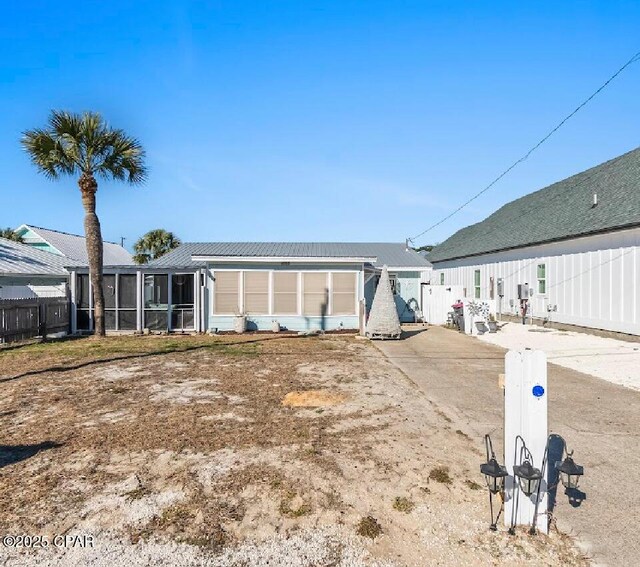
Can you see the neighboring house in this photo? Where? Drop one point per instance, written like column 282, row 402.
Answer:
column 26, row 272
column 575, row 243
column 204, row 286
column 71, row 246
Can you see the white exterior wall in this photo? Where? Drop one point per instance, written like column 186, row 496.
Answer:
column 594, row 281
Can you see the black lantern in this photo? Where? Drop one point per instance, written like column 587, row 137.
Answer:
column 570, row 473
column 494, row 473
column 528, row 476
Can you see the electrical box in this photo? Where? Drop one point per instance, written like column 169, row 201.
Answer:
column 523, row 291
column 500, row 287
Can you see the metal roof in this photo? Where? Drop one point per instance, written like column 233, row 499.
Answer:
column 21, row 259
column 558, row 212
column 387, row 253
column 74, row 247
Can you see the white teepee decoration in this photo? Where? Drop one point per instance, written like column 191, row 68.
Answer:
column 383, row 320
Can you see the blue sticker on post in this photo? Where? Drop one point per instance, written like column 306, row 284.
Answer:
column 538, row 391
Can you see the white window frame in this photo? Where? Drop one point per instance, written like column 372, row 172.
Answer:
column 300, row 291
column 539, row 279
column 241, row 303
column 441, row 278
column 477, row 287
column 213, row 272
column 356, row 292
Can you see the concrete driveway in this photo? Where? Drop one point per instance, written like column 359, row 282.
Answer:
column 600, row 420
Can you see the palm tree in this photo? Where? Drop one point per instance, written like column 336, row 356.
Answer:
column 10, row 234
column 84, row 145
column 154, row 244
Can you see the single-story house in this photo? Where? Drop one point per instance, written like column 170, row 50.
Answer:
column 576, row 244
column 26, row 272
column 205, row 286
column 71, row 246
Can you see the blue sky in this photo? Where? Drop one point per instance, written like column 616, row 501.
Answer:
column 333, row 120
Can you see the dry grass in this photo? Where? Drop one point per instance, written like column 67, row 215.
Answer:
column 369, row 527
column 440, row 474
column 403, row 504
column 187, row 439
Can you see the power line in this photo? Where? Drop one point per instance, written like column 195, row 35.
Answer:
column 633, row 59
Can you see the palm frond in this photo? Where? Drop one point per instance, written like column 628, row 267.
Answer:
column 85, row 144
column 122, row 158
column 47, row 153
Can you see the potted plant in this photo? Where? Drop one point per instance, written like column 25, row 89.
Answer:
column 240, row 323
column 492, row 323
column 482, row 327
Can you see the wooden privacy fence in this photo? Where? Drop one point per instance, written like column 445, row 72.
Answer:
column 25, row 318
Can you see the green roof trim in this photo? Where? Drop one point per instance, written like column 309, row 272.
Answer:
column 560, row 211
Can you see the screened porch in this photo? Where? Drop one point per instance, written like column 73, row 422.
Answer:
column 139, row 298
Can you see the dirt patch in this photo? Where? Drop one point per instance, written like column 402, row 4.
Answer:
column 184, row 449
column 313, row 399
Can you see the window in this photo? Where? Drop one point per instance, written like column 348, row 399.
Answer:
column 256, row 292
column 182, row 301
column 393, row 281
column 156, row 289
column 476, row 284
column 441, row 278
column 343, row 294
column 83, row 302
column 156, row 302
column 226, row 293
column 542, row 278
column 315, row 293
column 285, row 293
column 127, row 291
column 127, row 315
column 120, row 302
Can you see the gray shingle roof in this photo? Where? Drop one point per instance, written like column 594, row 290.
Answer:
column 24, row 260
column 74, row 247
column 390, row 253
column 557, row 212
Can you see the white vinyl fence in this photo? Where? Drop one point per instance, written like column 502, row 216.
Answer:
column 437, row 301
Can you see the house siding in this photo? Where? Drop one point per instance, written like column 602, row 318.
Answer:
column 299, row 322
column 594, row 281
column 407, row 295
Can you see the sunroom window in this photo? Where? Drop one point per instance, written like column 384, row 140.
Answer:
column 315, row 293
column 343, row 296
column 226, row 293
column 256, row 292
column 285, row 293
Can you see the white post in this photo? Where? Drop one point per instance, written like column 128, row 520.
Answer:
column 525, row 414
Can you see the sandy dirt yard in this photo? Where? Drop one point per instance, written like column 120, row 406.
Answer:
column 238, row 451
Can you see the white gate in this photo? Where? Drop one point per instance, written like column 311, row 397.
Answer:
column 437, row 301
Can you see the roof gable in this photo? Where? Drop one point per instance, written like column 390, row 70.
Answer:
column 74, row 248
column 21, row 259
column 560, row 211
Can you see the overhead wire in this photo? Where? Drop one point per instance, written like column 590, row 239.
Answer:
column 635, row 58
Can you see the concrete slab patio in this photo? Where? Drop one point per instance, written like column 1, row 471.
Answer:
column 599, row 420
column 610, row 359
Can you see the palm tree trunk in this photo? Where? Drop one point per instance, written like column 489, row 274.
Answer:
column 93, row 235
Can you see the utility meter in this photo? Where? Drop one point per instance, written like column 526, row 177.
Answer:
column 523, row 291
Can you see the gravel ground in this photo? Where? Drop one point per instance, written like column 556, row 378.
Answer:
column 609, row 359
column 308, row 547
